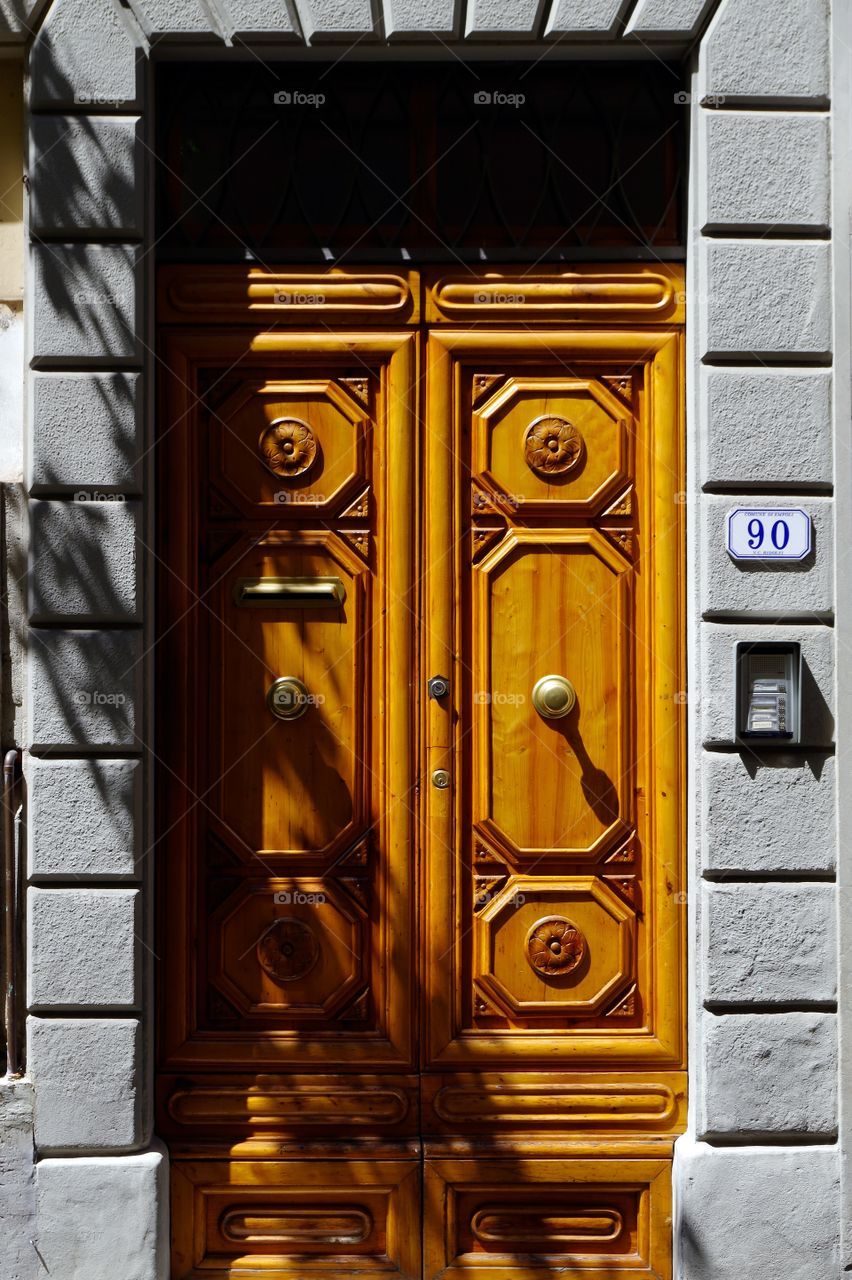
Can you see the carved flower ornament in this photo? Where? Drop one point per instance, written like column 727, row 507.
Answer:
column 552, row 445
column 288, row 950
column 555, row 946
column 288, row 447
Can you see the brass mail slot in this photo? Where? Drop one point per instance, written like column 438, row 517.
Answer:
column 290, row 593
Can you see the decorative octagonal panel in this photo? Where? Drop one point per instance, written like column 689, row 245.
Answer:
column 289, row 947
column 554, row 946
column 289, row 447
column 545, row 443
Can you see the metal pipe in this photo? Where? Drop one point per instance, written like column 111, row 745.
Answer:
column 11, row 891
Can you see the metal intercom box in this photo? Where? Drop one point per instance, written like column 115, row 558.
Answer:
column 768, row 692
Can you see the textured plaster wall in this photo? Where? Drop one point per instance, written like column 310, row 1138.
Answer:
column 757, row 1177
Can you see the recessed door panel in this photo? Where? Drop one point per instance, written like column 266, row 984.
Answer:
column 291, row 1219
column 541, row 601
column 253, row 1115
column 529, row 1218
column 496, row 1105
column 291, row 787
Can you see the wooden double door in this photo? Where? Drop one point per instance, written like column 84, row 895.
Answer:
column 420, row 944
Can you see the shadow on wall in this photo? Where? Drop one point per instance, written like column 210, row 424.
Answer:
column 814, row 760
column 68, row 581
column 691, row 1257
column 817, row 727
column 87, row 311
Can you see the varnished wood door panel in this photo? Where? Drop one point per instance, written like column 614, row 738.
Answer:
column 552, row 864
column 521, row 1105
column 287, row 919
column 291, row 790
column 369, row 981
column 550, row 600
column 530, row 1217
column 294, row 1219
column 254, row 1115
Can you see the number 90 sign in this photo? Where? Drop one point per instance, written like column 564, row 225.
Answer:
column 760, row 533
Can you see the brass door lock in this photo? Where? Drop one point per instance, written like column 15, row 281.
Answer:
column 288, row 698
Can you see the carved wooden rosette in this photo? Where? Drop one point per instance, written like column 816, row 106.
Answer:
column 288, row 447
column 555, row 946
column 288, row 950
column 552, row 445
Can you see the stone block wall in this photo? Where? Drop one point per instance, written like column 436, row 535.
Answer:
column 757, row 1179
column 101, row 1199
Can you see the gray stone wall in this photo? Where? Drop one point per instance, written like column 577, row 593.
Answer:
column 756, row 1178
column 101, row 1209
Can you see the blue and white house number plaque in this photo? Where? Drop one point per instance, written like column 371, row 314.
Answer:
column 763, row 533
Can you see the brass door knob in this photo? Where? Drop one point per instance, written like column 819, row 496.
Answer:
column 288, row 698
column 553, row 697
